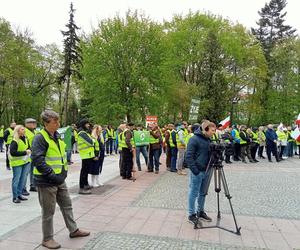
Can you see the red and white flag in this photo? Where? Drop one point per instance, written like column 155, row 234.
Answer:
column 298, row 119
column 225, row 123
column 296, row 134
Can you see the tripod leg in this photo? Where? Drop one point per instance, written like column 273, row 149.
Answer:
column 227, row 194
column 217, row 189
column 210, row 173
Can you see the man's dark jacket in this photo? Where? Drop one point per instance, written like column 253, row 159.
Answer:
column 197, row 153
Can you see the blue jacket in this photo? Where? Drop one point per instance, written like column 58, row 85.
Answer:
column 271, row 136
column 197, row 153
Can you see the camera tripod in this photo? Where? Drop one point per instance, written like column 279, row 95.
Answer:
column 217, row 170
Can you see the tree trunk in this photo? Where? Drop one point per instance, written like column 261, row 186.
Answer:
column 66, row 99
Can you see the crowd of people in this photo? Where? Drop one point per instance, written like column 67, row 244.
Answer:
column 43, row 156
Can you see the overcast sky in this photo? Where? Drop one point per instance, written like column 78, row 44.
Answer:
column 45, row 19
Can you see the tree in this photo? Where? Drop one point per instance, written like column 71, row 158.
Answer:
column 72, row 60
column 122, row 77
column 271, row 28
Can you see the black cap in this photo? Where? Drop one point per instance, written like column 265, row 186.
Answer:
column 83, row 122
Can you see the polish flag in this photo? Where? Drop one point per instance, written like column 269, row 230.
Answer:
column 298, row 119
column 296, row 134
column 225, row 123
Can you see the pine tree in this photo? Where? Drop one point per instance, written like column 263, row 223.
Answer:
column 271, row 28
column 72, row 60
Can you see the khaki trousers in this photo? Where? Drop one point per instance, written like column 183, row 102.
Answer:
column 48, row 197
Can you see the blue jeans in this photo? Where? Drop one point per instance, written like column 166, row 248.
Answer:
column 197, row 184
column 154, row 154
column 19, row 176
column 173, row 158
column 30, row 173
column 143, row 150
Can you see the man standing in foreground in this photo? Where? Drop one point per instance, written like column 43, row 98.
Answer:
column 197, row 159
column 50, row 171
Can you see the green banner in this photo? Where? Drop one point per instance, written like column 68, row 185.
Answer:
column 141, row 138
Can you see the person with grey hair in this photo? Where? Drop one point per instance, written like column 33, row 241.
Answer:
column 50, row 171
column 30, row 126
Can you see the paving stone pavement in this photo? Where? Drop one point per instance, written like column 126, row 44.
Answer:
column 112, row 241
column 263, row 192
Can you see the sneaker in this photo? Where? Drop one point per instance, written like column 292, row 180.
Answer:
column 84, row 191
column 16, row 200
column 51, row 244
column 193, row 219
column 203, row 216
column 25, row 193
column 21, row 198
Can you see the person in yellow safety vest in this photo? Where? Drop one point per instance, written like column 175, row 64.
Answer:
column 30, row 126
column 291, row 142
column 8, row 137
column 181, row 147
column 245, row 144
column 167, row 136
column 110, row 140
column 19, row 159
column 282, row 141
column 127, row 145
column 50, row 171
column 95, row 169
column 115, row 147
column 214, row 138
column 87, row 154
column 261, row 137
column 1, row 137
column 174, row 150
column 120, row 130
column 236, row 145
column 254, row 143
column 155, row 146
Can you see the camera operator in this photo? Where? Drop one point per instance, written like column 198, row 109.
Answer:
column 197, row 158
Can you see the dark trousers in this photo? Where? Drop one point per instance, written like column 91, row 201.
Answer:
column 154, row 158
column 237, row 151
column 120, row 162
column 174, row 152
column 1, row 144
column 127, row 163
column 272, row 148
column 245, row 151
column 282, row 148
column 168, row 158
column 253, row 150
column 109, row 146
column 6, row 153
column 260, row 151
column 84, row 172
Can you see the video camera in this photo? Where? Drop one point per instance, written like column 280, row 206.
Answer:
column 216, row 154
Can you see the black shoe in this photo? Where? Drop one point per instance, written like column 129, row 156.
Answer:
column 33, row 189
column 156, row 171
column 8, row 168
column 174, row 171
column 270, row 160
column 194, row 220
column 87, row 187
column 25, row 193
column 244, row 161
column 252, row 161
column 230, row 162
column 16, row 200
column 21, row 198
column 150, row 170
column 255, row 160
column 263, row 157
column 203, row 216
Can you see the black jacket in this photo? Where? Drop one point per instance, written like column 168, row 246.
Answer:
column 39, row 149
column 197, row 153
